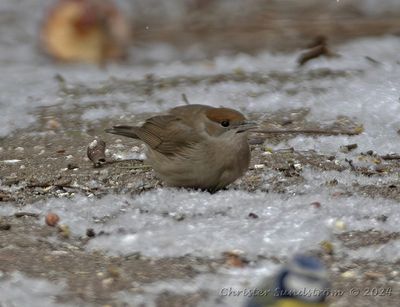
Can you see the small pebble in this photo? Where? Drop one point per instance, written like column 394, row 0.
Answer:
column 52, row 219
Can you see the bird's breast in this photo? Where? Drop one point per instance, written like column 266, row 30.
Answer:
column 210, row 164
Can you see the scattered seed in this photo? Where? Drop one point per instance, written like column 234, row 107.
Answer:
column 71, row 166
column 349, row 274
column 340, row 225
column 53, row 124
column 373, row 275
column 253, row 215
column 114, row 271
column 90, row 232
column 327, row 247
column 179, row 217
column 64, row 231
column 348, row 148
column 235, row 259
column 316, row 204
column 107, row 282
column 382, row 218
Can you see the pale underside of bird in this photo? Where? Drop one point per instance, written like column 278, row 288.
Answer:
column 195, row 146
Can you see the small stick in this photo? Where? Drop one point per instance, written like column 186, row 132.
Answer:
column 126, row 160
column 390, row 157
column 306, row 131
column 135, row 167
column 185, row 99
column 22, row 214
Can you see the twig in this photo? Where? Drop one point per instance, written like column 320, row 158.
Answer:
column 136, row 167
column 119, row 161
column 22, row 214
column 185, row 99
column 307, row 131
column 390, row 157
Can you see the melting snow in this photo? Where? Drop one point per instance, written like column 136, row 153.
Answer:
column 20, row 290
column 173, row 222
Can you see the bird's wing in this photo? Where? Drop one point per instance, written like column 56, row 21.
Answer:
column 167, row 134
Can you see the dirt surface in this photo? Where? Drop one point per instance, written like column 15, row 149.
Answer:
column 263, row 24
column 52, row 162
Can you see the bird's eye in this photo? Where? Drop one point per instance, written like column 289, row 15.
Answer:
column 225, row 123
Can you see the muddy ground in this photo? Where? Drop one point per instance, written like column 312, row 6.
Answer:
column 52, row 162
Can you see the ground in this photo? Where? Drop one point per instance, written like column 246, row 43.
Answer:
column 330, row 187
column 55, row 165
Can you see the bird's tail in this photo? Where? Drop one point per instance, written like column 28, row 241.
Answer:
column 129, row 131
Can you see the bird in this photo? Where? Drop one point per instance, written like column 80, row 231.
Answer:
column 88, row 31
column 195, row 146
column 302, row 282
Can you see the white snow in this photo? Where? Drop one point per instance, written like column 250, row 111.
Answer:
column 20, row 290
column 176, row 222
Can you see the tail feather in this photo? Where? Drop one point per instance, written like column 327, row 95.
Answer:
column 128, row 131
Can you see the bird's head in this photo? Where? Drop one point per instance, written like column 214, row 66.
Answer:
column 304, row 278
column 225, row 121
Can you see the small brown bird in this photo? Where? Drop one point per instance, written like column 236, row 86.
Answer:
column 195, row 146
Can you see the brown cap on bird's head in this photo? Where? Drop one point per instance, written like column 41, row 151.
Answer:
column 227, row 119
column 224, row 114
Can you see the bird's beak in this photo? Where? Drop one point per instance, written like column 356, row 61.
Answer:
column 246, row 125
